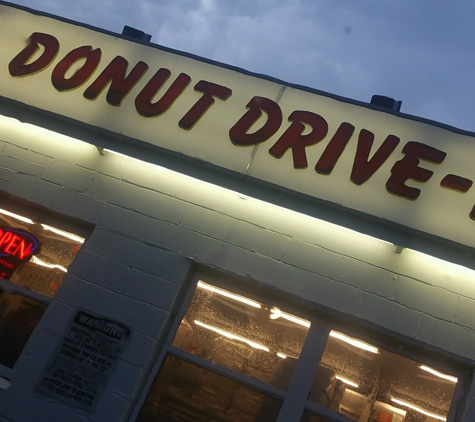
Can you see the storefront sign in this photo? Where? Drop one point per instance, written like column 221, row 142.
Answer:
column 16, row 247
column 85, row 360
column 403, row 170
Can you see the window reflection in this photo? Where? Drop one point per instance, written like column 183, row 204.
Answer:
column 183, row 392
column 367, row 383
column 19, row 315
column 253, row 338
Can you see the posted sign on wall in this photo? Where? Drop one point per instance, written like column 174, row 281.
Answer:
column 85, row 360
column 403, row 170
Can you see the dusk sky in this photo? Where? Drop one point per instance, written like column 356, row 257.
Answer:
column 418, row 51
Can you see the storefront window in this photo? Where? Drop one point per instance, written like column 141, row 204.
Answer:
column 186, row 392
column 34, row 258
column 235, row 358
column 368, row 383
column 242, row 334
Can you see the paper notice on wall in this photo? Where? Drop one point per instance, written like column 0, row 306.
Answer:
column 84, row 360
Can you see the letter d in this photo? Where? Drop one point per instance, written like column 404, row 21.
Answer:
column 19, row 67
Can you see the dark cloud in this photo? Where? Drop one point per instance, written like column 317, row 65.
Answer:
column 418, row 52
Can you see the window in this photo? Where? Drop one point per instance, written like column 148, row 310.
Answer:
column 34, row 258
column 233, row 357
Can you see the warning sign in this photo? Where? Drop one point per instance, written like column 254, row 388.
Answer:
column 85, row 360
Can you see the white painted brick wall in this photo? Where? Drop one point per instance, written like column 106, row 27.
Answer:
column 151, row 225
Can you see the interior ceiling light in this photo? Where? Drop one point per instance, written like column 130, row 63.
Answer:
column 276, row 313
column 37, row 261
column 439, row 374
column 63, row 233
column 232, row 336
column 230, row 295
column 281, row 355
column 419, row 409
column 347, row 381
column 354, row 342
column 18, row 217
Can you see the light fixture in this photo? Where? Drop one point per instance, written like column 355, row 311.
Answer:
column 419, row 409
column 354, row 342
column 276, row 313
column 18, row 217
column 38, row 261
column 229, row 295
column 63, row 233
column 347, row 381
column 104, row 150
column 439, row 374
column 281, row 355
column 232, row 336
column 399, row 248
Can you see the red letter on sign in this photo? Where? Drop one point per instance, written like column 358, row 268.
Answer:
column 58, row 78
column 18, row 66
column 238, row 134
column 334, row 149
column 120, row 85
column 143, row 102
column 210, row 91
column 364, row 169
column 293, row 139
column 408, row 168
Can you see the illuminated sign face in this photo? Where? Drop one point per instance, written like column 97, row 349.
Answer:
column 397, row 169
column 16, row 247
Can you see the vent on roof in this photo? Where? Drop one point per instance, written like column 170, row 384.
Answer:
column 386, row 102
column 136, row 34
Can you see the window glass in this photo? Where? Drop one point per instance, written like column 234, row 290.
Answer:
column 19, row 315
column 184, row 392
column 310, row 417
column 39, row 267
column 34, row 258
column 368, row 383
column 247, row 336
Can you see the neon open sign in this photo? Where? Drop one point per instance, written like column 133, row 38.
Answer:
column 16, row 247
column 17, row 243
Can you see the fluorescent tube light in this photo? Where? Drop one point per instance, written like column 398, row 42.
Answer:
column 276, row 313
column 354, row 342
column 347, row 381
column 37, row 261
column 419, row 409
column 439, row 374
column 230, row 295
column 18, row 217
column 232, row 336
column 63, row 233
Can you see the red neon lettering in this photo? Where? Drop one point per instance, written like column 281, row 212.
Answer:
column 13, row 243
column 22, row 251
column 408, row 168
column 120, row 85
column 143, row 102
column 92, row 58
column 238, row 133
column 210, row 92
column 334, row 149
column 364, row 169
column 293, row 139
column 6, row 237
column 19, row 67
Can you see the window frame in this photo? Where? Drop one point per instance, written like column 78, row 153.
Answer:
column 42, row 216
column 294, row 398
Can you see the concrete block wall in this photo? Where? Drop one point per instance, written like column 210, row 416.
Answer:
column 151, row 224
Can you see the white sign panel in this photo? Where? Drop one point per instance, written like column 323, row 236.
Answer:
column 394, row 168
